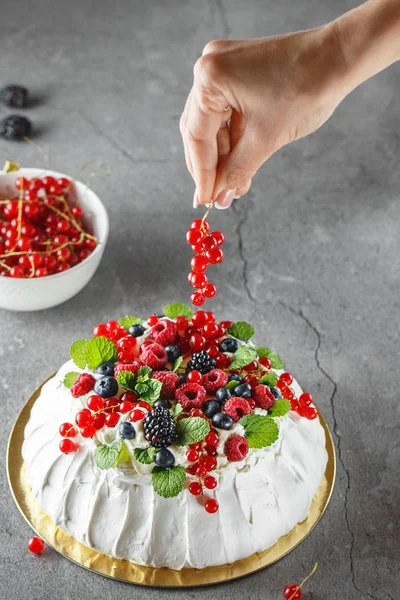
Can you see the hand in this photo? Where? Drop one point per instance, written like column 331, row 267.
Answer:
column 277, row 89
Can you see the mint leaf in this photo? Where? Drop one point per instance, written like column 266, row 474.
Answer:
column 127, row 379
column 99, row 350
column 270, row 379
column 78, row 353
column 168, row 482
column 106, row 455
column 144, row 373
column 260, row 431
column 145, row 456
column 232, row 384
column 70, row 379
column 141, row 388
column 153, row 390
column 243, row 356
column 127, row 322
column 123, row 456
column 177, row 309
column 177, row 363
column 176, row 411
column 281, row 407
column 241, row 330
column 276, row 361
column 191, row 430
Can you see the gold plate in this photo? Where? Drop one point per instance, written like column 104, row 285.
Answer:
column 123, row 570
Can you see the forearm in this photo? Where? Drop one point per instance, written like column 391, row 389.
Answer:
column 369, row 38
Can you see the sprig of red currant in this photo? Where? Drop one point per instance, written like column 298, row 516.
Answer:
column 293, row 591
column 207, row 249
column 202, row 455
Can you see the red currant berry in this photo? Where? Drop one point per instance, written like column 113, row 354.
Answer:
column 63, row 225
column 88, row 432
column 211, row 330
column 144, row 405
column 215, row 256
column 211, row 505
column 286, row 378
column 210, row 482
column 127, row 343
column 295, row 405
column 213, row 351
column 199, row 318
column 21, row 183
column 201, row 471
column 209, row 316
column 196, row 412
column 77, row 211
column 211, row 450
column 194, row 376
column 223, row 361
column 35, row 544
column 153, row 320
column 197, row 342
column 126, row 407
column 191, row 469
column 194, row 236
column 210, row 290
column 311, row 413
column 196, row 446
column 197, row 298
column 102, row 330
column 99, row 420
column 195, row 488
column 24, row 244
column 199, row 263
column 265, row 362
column 111, row 405
column 218, row 237
column 63, row 183
column 197, row 249
column 212, row 438
column 253, row 366
column 209, row 243
column 125, row 356
column 198, row 280
column 292, row 592
column 24, row 262
column 67, row 430
column 84, row 418
column 192, row 455
column 137, row 415
column 208, row 462
column 48, row 181
column 112, row 419
column 42, row 272
column 199, row 223
column 129, row 397
column 253, row 380
column 305, row 400
column 181, row 323
column 95, row 403
column 67, row 446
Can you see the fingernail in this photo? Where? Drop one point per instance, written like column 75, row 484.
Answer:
column 195, row 201
column 225, row 199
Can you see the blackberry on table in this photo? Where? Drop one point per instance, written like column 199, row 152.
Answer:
column 15, row 127
column 14, row 95
column 159, row 428
column 201, row 361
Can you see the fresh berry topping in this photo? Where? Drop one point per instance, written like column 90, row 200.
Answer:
column 152, row 320
column 292, row 592
column 199, row 263
column 127, row 344
column 106, row 368
column 144, row 405
column 286, row 378
column 88, row 432
column 276, row 392
column 212, row 438
column 194, row 377
column 192, row 455
column 95, row 403
column 310, row 412
column 173, row 352
column 159, row 428
column 136, row 330
column 201, row 471
column 106, row 387
column 126, row 430
column 223, row 361
column 236, row 448
column 195, row 488
column 169, row 381
column 211, row 506
column 210, row 482
column 162, row 403
column 235, row 377
column 137, row 414
column 67, row 430
column 163, row 332
column 305, row 400
column 197, row 342
column 83, row 385
column 133, row 367
column 222, row 394
column 214, row 379
column 208, row 462
column 191, row 395
column 67, row 446
column 197, row 298
column 229, row 345
column 263, row 397
column 154, row 356
column 112, row 419
column 236, row 408
column 99, row 420
column 15, row 127
column 211, row 408
column 83, row 418
column 222, row 421
column 201, row 361
column 36, row 545
column 243, row 390
column 164, row 458
column 265, row 362
column 130, row 397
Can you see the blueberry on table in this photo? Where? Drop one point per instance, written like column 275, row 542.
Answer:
column 211, row 408
column 164, row 458
column 15, row 128
column 126, row 430
column 106, row 368
column 15, row 96
column 106, row 387
column 222, row 421
column 229, row 345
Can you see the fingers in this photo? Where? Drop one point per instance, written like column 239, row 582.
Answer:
column 182, row 127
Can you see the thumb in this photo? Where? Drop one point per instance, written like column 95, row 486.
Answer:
column 236, row 171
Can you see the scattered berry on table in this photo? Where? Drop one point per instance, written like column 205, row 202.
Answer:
column 15, row 128
column 164, row 458
column 292, row 592
column 237, row 408
column 35, row 545
column 159, row 428
column 126, row 430
column 191, row 395
column 236, row 448
column 15, row 96
column 106, row 387
column 201, row 361
column 83, row 385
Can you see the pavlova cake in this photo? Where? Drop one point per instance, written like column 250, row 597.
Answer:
column 174, row 442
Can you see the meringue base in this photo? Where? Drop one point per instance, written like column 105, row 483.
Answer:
column 123, row 570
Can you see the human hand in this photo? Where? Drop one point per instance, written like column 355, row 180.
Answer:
column 278, row 90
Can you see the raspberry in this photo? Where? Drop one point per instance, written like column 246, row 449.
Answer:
column 215, row 379
column 164, row 332
column 264, row 397
column 191, row 395
column 236, row 448
column 169, row 380
column 83, row 385
column 154, row 356
column 133, row 367
column 236, row 408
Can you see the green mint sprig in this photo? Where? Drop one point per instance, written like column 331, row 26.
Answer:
column 260, row 431
column 146, row 388
column 127, row 322
column 106, row 455
column 177, row 363
column 168, row 482
column 281, row 407
column 70, row 379
column 270, row 379
column 276, row 361
column 177, row 309
column 243, row 356
column 93, row 352
column 145, row 456
column 241, row 330
column 191, row 431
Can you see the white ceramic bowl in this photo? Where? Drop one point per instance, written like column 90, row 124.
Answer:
column 45, row 292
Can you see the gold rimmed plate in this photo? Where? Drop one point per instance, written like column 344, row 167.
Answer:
column 124, row 570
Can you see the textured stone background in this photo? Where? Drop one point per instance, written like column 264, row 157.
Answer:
column 312, row 259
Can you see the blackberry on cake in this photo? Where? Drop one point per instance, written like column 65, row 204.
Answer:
column 201, row 361
column 159, row 428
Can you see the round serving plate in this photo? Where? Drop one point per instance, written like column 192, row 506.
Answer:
column 123, row 570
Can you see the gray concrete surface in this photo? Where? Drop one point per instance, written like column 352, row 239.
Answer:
column 312, row 259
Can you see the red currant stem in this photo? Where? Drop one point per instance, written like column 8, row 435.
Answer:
column 2, row 264
column 202, row 226
column 40, row 150
column 71, row 220
column 304, row 580
column 33, row 268
column 20, row 204
column 23, row 253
